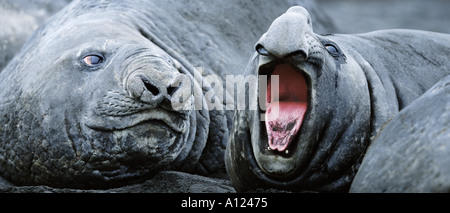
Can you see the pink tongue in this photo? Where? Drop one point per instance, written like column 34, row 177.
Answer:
column 284, row 117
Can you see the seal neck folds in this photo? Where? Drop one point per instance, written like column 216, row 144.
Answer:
column 285, row 113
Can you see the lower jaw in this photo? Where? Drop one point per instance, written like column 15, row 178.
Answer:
column 275, row 164
column 277, row 167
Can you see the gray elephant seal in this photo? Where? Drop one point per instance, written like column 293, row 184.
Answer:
column 87, row 106
column 87, row 102
column 412, row 153
column 335, row 94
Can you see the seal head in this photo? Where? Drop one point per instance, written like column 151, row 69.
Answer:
column 301, row 132
column 327, row 98
column 310, row 68
column 101, row 99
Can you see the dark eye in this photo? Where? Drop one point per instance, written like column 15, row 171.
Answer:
column 92, row 60
column 332, row 49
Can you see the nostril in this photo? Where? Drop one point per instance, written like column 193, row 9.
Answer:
column 299, row 54
column 154, row 90
column 172, row 89
column 261, row 50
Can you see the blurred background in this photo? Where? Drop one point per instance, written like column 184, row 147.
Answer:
column 359, row 16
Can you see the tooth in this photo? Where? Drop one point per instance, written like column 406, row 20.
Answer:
column 287, row 151
column 268, row 148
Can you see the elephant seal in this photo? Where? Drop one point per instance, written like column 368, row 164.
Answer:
column 412, row 153
column 335, row 94
column 87, row 106
column 88, row 101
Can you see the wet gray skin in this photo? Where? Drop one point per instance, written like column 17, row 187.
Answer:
column 411, row 154
column 355, row 83
column 88, row 119
column 87, row 102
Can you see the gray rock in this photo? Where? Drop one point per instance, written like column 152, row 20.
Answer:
column 163, row 182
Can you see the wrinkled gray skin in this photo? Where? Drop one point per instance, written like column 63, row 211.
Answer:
column 66, row 123
column 412, row 153
column 356, row 83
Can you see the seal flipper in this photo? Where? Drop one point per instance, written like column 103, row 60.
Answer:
column 285, row 117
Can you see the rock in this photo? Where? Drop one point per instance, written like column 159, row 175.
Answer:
column 163, row 182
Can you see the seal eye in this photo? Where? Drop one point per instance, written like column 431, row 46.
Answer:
column 332, row 49
column 92, row 60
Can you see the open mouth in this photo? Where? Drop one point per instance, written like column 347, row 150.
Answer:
column 286, row 105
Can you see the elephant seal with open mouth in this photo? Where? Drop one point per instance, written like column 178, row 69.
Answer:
column 335, row 92
column 88, row 101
